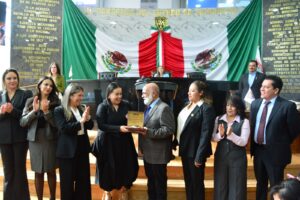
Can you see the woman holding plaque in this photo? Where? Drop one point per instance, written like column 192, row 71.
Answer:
column 42, row 134
column 13, row 142
column 118, row 166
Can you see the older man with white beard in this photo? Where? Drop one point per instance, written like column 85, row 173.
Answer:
column 155, row 141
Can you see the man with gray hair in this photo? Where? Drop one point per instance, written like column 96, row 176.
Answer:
column 155, row 141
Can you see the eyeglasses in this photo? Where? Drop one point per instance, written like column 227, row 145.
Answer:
column 11, row 78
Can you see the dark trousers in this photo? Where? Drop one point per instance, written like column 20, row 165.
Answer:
column 15, row 177
column 230, row 175
column 265, row 170
column 157, row 180
column 75, row 176
column 193, row 179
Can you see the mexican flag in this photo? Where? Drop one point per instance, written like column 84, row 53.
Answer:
column 87, row 51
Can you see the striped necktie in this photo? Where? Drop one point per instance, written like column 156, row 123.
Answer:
column 146, row 113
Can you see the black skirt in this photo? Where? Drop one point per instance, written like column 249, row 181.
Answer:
column 117, row 165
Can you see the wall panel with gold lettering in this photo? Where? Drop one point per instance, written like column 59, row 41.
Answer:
column 36, row 37
column 281, row 43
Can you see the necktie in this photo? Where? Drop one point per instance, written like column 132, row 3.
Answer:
column 146, row 113
column 262, row 123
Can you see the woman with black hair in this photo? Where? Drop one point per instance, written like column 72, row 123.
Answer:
column 195, row 124
column 118, row 166
column 42, row 134
column 13, row 143
column 231, row 131
column 287, row 190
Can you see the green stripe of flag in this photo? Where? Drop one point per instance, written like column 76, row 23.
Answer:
column 79, row 44
column 244, row 36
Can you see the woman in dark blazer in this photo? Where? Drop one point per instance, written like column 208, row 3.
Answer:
column 13, row 143
column 194, row 130
column 42, row 134
column 118, row 167
column 232, row 132
column 73, row 120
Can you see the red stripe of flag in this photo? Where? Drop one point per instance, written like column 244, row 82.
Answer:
column 147, row 55
column 173, row 55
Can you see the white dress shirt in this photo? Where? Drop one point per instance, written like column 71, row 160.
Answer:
column 78, row 117
column 182, row 117
column 258, row 116
column 251, row 78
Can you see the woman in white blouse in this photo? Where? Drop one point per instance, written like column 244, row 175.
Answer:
column 73, row 147
column 194, row 130
column 231, row 131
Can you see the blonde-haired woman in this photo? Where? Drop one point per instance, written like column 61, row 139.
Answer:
column 73, row 146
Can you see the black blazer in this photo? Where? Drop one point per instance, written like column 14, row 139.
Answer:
column 196, row 134
column 11, row 131
column 244, row 86
column 282, row 128
column 67, row 139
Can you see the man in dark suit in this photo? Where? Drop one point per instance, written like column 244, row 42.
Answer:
column 155, row 142
column 250, row 82
column 275, row 124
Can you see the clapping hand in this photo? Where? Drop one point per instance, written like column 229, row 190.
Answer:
column 7, row 108
column 229, row 131
column 45, row 105
column 36, row 104
column 221, row 130
column 86, row 115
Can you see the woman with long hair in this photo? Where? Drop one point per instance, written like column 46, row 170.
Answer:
column 13, row 143
column 73, row 119
column 118, row 167
column 42, row 134
column 231, row 131
column 58, row 78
